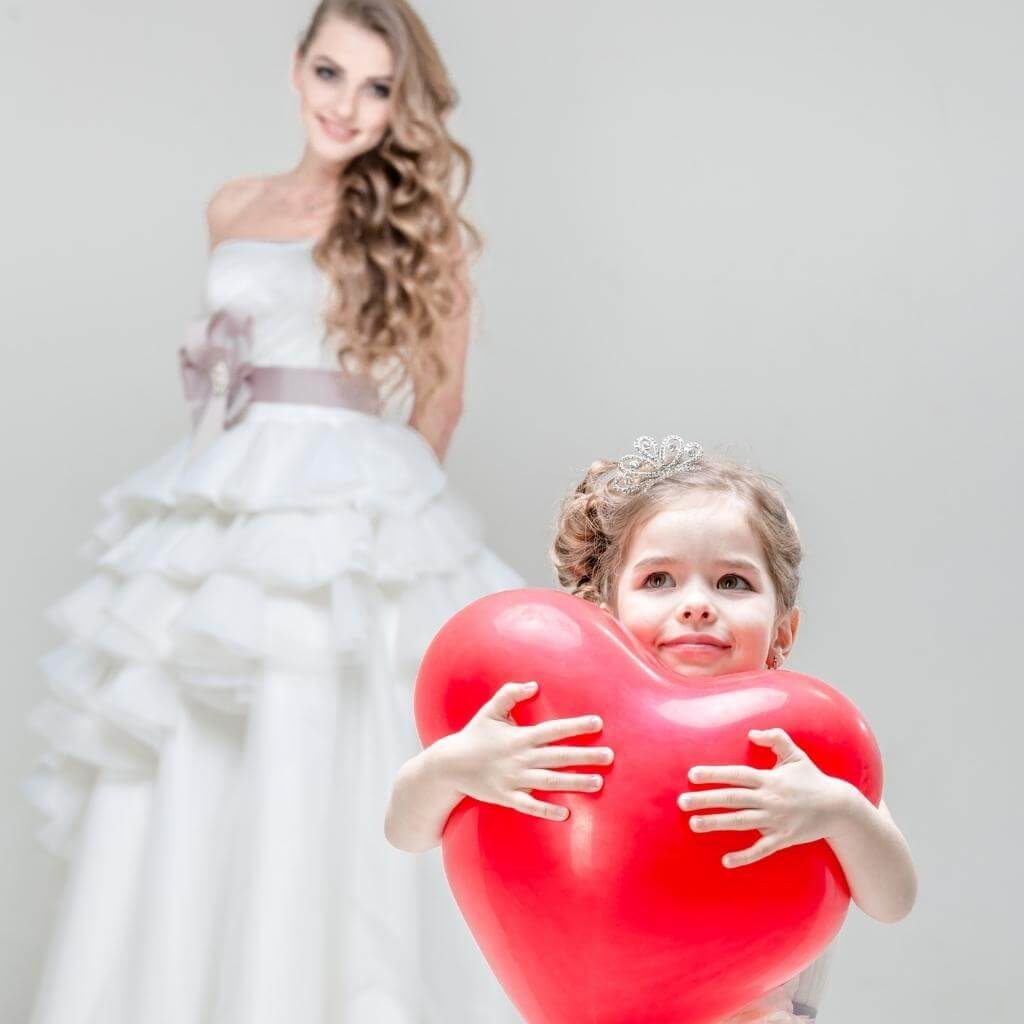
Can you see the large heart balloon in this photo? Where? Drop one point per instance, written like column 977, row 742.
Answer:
column 621, row 914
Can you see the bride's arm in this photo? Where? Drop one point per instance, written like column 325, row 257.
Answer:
column 437, row 408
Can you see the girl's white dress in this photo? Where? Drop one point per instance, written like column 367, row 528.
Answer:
column 233, row 701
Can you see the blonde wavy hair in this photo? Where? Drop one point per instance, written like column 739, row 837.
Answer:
column 597, row 523
column 398, row 243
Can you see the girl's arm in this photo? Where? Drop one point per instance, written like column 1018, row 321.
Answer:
column 437, row 409
column 423, row 795
column 795, row 802
column 493, row 760
column 874, row 855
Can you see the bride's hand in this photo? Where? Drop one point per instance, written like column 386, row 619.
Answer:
column 494, row 760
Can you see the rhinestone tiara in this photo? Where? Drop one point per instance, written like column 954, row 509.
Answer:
column 653, row 462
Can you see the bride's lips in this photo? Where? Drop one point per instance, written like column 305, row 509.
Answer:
column 336, row 131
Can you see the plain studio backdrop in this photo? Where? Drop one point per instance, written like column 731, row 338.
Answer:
column 791, row 231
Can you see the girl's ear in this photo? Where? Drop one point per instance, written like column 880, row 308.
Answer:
column 296, row 65
column 785, row 634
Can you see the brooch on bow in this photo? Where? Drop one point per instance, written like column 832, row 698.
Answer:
column 216, row 364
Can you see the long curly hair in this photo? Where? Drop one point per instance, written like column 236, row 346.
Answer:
column 398, row 243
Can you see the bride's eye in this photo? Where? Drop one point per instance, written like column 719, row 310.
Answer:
column 731, row 581
column 657, row 581
column 325, row 72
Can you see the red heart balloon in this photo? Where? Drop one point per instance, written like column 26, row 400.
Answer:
column 622, row 914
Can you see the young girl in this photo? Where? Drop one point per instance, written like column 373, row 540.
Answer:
column 699, row 559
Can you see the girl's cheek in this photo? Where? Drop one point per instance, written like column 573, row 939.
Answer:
column 630, row 617
column 757, row 635
column 644, row 625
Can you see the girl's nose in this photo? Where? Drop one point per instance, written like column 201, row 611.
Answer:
column 696, row 609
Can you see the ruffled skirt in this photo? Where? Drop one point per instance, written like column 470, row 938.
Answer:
column 226, row 716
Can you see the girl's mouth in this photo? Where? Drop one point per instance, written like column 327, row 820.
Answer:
column 693, row 649
column 696, row 641
column 695, row 652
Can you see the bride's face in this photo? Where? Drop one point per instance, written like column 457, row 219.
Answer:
column 345, row 85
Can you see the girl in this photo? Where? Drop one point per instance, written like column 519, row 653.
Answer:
column 699, row 559
column 235, row 693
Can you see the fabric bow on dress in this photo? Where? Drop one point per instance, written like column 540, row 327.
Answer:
column 216, row 367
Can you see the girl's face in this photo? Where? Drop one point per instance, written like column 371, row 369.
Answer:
column 696, row 592
column 345, row 84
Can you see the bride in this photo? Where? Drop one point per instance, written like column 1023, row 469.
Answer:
column 234, row 693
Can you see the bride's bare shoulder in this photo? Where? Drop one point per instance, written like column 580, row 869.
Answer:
column 228, row 201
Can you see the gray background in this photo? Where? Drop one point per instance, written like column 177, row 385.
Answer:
column 791, row 230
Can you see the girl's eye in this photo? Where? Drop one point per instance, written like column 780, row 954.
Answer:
column 733, row 582
column 657, row 581
column 325, row 72
column 380, row 90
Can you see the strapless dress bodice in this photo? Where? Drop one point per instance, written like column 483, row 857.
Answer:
column 279, row 286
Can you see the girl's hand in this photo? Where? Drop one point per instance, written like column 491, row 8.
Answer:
column 792, row 803
column 497, row 761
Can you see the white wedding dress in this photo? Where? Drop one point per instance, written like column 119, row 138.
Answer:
column 231, row 705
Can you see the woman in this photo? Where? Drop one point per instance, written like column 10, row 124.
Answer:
column 235, row 693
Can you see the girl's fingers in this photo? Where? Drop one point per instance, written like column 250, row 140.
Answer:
column 732, row 774
column 779, row 741
column 735, row 797
column 507, row 698
column 561, row 729
column 526, row 804
column 568, row 782
column 764, row 847
column 741, row 821
column 564, row 757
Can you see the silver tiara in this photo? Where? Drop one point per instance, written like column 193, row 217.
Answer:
column 651, row 462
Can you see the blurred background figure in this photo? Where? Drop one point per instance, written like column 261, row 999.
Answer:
column 234, row 694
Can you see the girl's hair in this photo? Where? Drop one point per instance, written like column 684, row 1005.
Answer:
column 597, row 523
column 395, row 250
